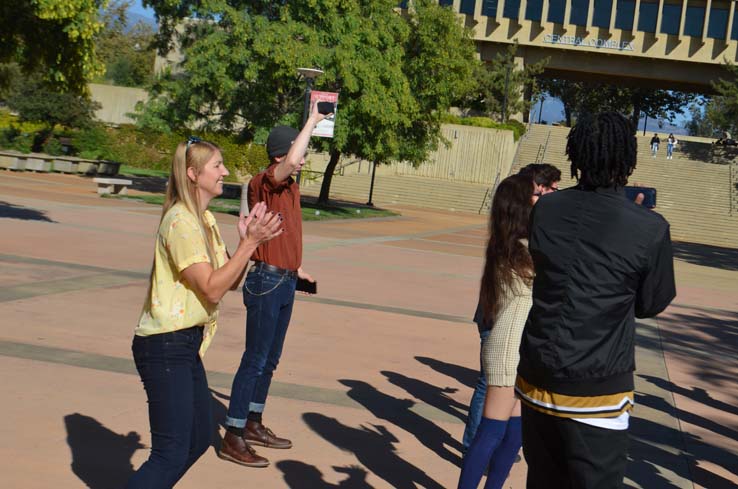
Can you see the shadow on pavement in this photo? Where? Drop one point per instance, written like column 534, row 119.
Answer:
column 101, row 458
column 707, row 256
column 646, row 439
column 220, row 410
column 11, row 211
column 299, row 475
column 695, row 393
column 374, row 447
column 463, row 375
column 397, row 411
column 429, row 394
column 707, row 341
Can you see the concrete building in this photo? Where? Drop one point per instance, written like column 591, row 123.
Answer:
column 671, row 44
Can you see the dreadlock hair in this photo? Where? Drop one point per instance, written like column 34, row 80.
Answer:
column 506, row 255
column 602, row 150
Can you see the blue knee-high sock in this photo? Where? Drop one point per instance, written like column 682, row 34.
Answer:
column 488, row 437
column 502, row 462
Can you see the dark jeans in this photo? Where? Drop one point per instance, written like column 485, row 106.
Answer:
column 476, row 405
column 566, row 454
column 179, row 405
column 268, row 298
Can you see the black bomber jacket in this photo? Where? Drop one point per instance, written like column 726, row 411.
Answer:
column 600, row 262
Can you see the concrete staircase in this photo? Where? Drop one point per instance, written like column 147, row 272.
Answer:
column 407, row 190
column 699, row 199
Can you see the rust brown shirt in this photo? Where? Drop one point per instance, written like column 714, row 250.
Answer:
column 284, row 251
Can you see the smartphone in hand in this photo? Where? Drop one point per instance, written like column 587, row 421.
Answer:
column 649, row 194
column 304, row 285
column 326, row 108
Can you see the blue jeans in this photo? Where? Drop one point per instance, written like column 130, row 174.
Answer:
column 669, row 149
column 476, row 405
column 179, row 405
column 268, row 298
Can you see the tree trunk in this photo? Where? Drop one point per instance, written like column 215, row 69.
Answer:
column 567, row 115
column 636, row 111
column 325, row 187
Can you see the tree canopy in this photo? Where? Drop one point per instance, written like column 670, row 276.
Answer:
column 54, row 37
column 579, row 97
column 396, row 72
column 720, row 111
column 126, row 51
column 501, row 84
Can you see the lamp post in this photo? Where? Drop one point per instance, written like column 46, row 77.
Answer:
column 310, row 74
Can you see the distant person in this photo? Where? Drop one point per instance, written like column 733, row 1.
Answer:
column 269, row 294
column 600, row 260
column 192, row 271
column 725, row 139
column 655, row 141
column 671, row 141
column 505, row 299
column 546, row 178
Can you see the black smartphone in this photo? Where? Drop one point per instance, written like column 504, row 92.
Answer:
column 326, row 108
column 306, row 286
column 649, row 194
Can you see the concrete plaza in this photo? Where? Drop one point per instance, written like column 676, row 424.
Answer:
column 377, row 371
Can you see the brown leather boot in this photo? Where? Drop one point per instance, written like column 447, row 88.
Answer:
column 235, row 449
column 258, row 434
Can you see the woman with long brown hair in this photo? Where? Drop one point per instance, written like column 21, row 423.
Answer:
column 192, row 271
column 505, row 298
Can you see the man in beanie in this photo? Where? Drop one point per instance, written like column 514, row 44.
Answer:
column 268, row 294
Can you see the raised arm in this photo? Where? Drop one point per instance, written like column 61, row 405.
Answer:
column 291, row 161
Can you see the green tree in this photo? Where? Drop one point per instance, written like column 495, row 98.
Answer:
column 700, row 122
column 55, row 37
column 579, row 97
column 126, row 51
column 503, row 87
column 36, row 101
column 658, row 104
column 721, row 110
column 396, row 73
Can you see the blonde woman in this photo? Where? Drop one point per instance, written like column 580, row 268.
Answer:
column 192, row 271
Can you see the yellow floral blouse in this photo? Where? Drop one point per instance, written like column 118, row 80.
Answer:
column 172, row 304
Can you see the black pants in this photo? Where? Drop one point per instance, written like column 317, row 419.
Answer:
column 566, row 454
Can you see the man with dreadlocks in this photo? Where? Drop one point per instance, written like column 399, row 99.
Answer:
column 599, row 260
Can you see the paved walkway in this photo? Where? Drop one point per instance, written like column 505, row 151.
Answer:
column 377, row 370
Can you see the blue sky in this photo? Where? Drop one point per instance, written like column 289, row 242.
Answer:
column 137, row 8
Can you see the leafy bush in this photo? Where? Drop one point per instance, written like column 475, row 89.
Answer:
column 14, row 138
column 242, row 159
column 92, row 143
column 53, row 147
column 8, row 135
column 8, row 120
column 130, row 145
column 518, row 128
column 35, row 101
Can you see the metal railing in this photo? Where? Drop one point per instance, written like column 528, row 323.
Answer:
column 541, row 155
column 487, row 200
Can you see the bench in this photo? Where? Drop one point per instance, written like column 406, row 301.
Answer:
column 112, row 185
